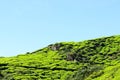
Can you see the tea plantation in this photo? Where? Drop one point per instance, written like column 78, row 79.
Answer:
column 96, row 59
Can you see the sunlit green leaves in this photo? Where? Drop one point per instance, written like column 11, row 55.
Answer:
column 97, row 59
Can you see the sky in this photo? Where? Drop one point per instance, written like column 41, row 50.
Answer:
column 28, row 25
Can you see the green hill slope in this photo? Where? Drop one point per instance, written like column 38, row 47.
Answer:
column 97, row 59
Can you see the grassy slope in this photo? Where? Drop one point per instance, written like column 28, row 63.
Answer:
column 97, row 59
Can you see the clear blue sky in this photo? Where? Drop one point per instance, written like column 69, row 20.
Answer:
column 27, row 25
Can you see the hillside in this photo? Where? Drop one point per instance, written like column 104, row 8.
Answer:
column 96, row 59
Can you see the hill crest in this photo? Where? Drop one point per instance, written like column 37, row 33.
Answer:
column 87, row 60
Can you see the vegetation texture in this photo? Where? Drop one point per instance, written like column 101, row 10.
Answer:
column 97, row 59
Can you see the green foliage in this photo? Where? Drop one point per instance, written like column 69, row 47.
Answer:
column 97, row 59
